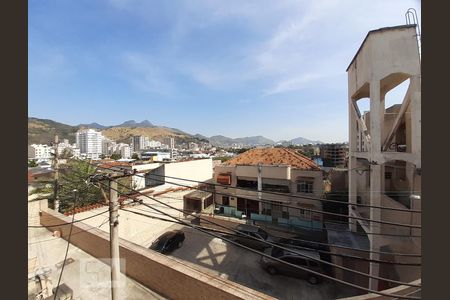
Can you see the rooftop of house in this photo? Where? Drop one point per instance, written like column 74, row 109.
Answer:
column 274, row 156
column 199, row 195
column 113, row 163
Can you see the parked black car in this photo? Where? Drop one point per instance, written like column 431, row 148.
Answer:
column 274, row 267
column 168, row 241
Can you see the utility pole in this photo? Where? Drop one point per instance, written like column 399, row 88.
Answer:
column 114, row 238
column 56, row 168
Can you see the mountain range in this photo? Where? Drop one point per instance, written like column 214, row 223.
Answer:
column 42, row 131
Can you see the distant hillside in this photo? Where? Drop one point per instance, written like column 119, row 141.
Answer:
column 303, row 141
column 133, row 124
column 92, row 125
column 255, row 140
column 220, row 140
column 42, row 131
column 123, row 134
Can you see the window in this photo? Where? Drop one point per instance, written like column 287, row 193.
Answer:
column 304, row 186
column 313, row 263
column 249, row 184
column 285, row 214
column 262, row 233
column 305, row 214
column 226, row 200
column 387, row 175
column 266, row 209
column 295, row 260
column 275, row 188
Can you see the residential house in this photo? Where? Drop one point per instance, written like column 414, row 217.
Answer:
column 260, row 182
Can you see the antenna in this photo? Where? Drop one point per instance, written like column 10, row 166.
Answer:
column 411, row 18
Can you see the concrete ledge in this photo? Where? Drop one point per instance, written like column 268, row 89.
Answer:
column 165, row 275
column 398, row 290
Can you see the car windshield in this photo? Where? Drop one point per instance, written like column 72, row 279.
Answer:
column 263, row 234
column 158, row 244
column 277, row 252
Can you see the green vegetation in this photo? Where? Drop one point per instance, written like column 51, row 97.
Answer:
column 32, row 163
column 72, row 177
column 223, row 158
column 115, row 156
column 135, row 156
column 67, row 153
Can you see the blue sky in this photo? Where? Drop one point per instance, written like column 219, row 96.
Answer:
column 235, row 68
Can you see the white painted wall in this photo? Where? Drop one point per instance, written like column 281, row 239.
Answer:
column 199, row 170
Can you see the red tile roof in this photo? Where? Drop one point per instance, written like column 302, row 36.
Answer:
column 111, row 164
column 274, row 156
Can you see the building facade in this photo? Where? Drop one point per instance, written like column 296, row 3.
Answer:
column 334, row 155
column 89, row 141
column 385, row 149
column 249, row 181
column 137, row 143
column 39, row 152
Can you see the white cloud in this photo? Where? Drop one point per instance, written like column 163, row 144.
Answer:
column 292, row 84
column 298, row 41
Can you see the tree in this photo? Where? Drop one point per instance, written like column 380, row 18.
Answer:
column 222, row 158
column 67, row 153
column 135, row 156
column 102, row 156
column 32, row 163
column 73, row 177
column 115, row 156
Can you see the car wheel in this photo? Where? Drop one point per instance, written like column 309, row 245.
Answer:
column 272, row 270
column 313, row 279
column 180, row 243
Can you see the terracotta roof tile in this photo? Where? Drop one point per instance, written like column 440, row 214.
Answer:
column 274, row 156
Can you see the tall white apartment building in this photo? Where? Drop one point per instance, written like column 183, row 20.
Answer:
column 137, row 142
column 125, row 151
column 154, row 144
column 89, row 141
column 170, row 141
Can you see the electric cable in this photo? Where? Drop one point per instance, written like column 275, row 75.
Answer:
column 67, row 249
column 280, row 194
column 272, row 244
column 290, row 264
column 288, row 245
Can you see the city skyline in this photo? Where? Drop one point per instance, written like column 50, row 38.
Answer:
column 271, row 69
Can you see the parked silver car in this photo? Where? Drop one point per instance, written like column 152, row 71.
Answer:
column 247, row 236
column 274, row 267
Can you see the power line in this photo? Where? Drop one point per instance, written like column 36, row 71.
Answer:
column 357, row 249
column 269, row 192
column 64, row 224
column 292, row 246
column 285, row 205
column 67, row 249
column 312, row 210
column 345, row 247
column 271, row 244
column 287, row 263
column 271, row 202
column 81, row 231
